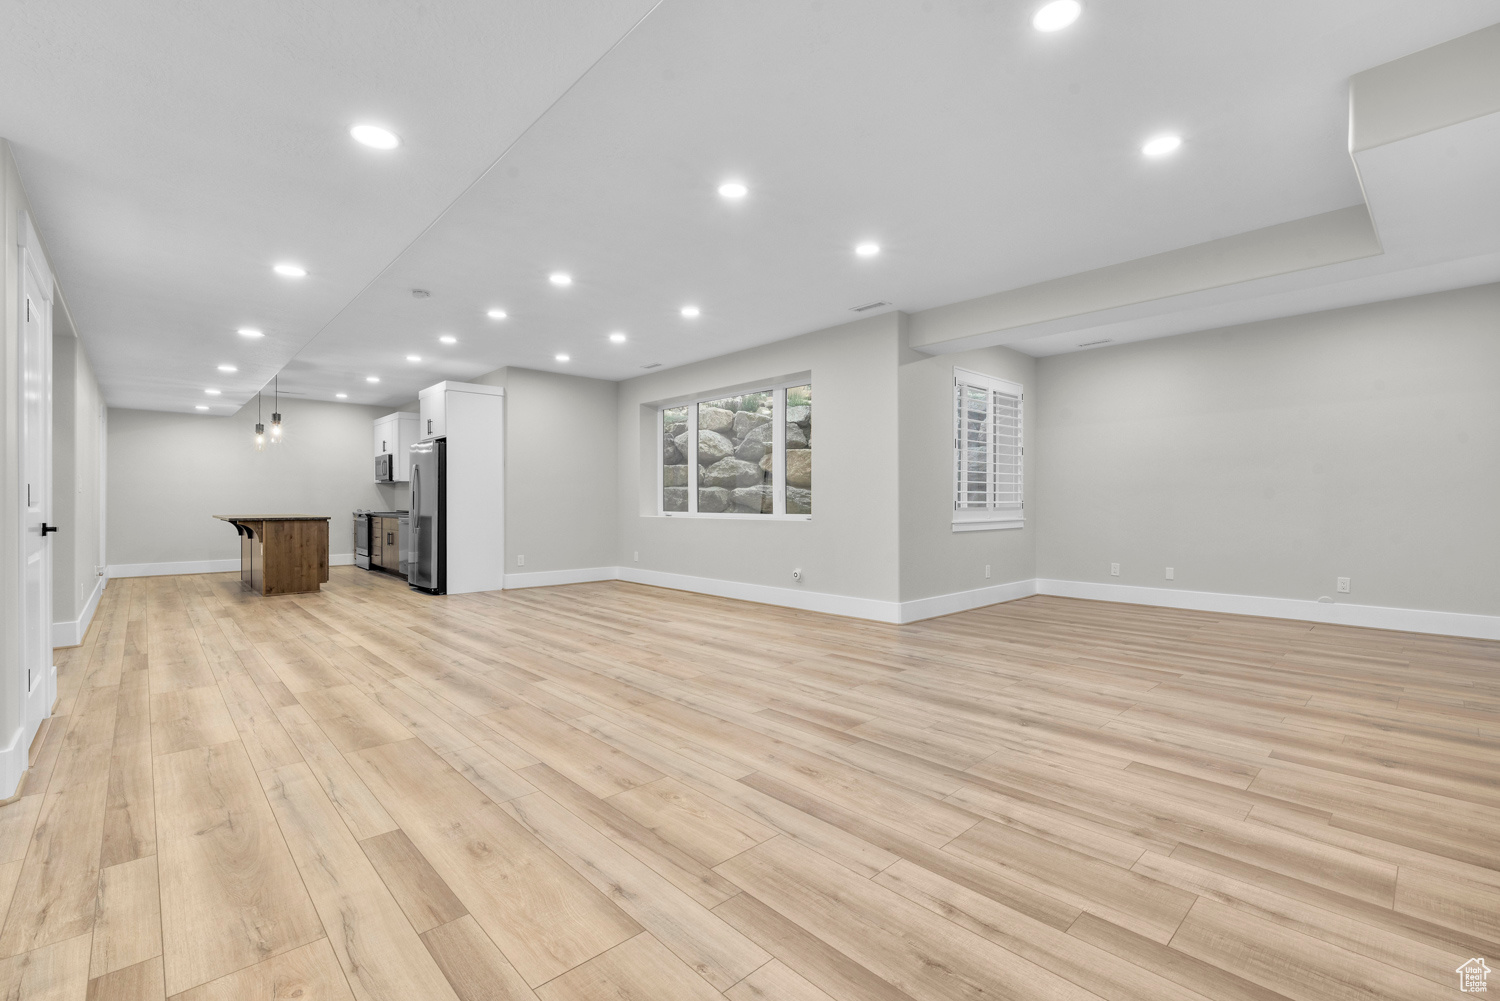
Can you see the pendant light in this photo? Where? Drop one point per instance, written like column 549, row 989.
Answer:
column 260, row 429
column 275, row 414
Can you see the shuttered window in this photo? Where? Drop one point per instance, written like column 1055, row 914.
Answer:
column 988, row 452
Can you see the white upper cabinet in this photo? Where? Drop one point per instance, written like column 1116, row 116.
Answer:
column 433, row 402
column 395, row 434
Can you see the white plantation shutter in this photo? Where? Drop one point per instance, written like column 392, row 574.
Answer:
column 988, row 451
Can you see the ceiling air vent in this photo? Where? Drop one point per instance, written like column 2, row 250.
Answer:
column 655, row 364
column 420, row 293
column 867, row 307
column 1095, row 344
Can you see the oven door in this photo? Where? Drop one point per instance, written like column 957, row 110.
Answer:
column 362, row 541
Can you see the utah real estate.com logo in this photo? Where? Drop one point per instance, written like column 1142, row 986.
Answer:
column 1472, row 976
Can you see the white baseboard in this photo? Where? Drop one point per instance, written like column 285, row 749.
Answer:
column 898, row 612
column 1407, row 620
column 765, row 594
column 15, row 757
column 13, row 762
column 173, row 569
column 1411, row 620
column 551, row 578
column 201, row 566
column 961, row 601
column 71, row 633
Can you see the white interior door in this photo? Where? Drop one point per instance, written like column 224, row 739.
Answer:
column 36, row 486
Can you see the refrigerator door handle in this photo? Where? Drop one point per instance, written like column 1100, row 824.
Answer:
column 414, row 572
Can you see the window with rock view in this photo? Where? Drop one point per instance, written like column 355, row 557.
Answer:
column 799, row 450
column 674, row 459
column 738, row 454
column 735, row 446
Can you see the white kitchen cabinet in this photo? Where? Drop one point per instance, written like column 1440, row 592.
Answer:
column 433, row 403
column 395, row 434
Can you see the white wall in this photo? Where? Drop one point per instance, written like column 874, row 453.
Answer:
column 934, row 559
column 560, row 462
column 1270, row 459
column 169, row 474
column 77, row 450
column 850, row 547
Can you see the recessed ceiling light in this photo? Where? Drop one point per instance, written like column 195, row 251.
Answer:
column 249, row 332
column 867, row 249
column 212, row 392
column 372, row 378
column 375, row 137
column 499, row 314
column 1056, row 15
column 560, row 278
column 227, row 368
column 200, row 407
column 290, row 270
column 617, row 337
column 413, row 357
column 691, row 312
column 561, row 357
column 733, row 190
column 1161, row 145
column 448, row 339
column 341, row 396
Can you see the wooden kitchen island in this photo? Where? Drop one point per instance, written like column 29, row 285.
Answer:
column 281, row 553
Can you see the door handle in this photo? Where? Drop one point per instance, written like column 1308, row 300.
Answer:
column 46, row 528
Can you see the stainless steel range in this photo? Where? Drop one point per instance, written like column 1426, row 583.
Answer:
column 362, row 538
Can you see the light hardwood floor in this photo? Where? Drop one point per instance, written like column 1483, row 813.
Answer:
column 607, row 792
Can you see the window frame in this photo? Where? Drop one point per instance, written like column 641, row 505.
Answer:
column 992, row 516
column 777, row 388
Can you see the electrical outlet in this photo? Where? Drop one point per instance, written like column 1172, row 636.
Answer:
column 520, row 561
column 986, row 571
column 1114, row 569
column 636, row 556
column 1171, row 574
column 1343, row 585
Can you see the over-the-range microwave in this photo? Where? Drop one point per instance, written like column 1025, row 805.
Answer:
column 385, row 468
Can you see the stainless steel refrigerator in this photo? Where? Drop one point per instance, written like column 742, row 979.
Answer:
column 427, row 569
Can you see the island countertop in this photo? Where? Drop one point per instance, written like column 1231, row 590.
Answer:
column 272, row 517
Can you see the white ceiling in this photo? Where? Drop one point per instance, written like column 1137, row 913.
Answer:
column 174, row 152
